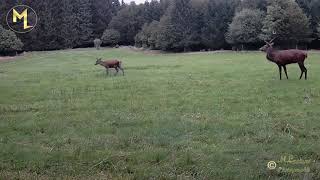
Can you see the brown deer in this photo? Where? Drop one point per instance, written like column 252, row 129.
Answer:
column 285, row 57
column 110, row 64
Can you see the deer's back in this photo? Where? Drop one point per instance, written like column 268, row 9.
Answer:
column 111, row 63
column 290, row 56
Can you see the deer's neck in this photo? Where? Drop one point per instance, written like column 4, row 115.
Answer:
column 270, row 54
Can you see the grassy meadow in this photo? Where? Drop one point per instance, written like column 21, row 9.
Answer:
column 172, row 116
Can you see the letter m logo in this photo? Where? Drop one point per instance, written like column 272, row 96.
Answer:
column 23, row 15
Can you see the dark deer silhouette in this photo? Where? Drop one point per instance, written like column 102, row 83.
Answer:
column 285, row 57
column 110, row 64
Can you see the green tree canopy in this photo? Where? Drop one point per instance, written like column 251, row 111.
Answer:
column 128, row 22
column 245, row 27
column 9, row 42
column 147, row 36
column 111, row 37
column 168, row 36
column 285, row 20
column 178, row 28
column 218, row 15
column 181, row 24
column 311, row 9
column 102, row 13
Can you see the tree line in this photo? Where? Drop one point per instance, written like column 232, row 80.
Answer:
column 169, row 25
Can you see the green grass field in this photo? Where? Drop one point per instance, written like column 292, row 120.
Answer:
column 173, row 116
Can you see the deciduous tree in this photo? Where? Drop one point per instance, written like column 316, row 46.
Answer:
column 111, row 37
column 245, row 27
column 9, row 42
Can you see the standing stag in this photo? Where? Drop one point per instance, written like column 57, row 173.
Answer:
column 285, row 57
column 110, row 64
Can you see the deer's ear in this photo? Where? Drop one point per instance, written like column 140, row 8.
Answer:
column 271, row 44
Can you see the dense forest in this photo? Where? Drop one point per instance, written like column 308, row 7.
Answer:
column 169, row 25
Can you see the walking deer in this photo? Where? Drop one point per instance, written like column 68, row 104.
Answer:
column 116, row 64
column 285, row 57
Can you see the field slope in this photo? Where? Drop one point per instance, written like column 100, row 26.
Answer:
column 173, row 116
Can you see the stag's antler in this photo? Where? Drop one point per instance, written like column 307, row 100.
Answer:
column 273, row 40
column 274, row 33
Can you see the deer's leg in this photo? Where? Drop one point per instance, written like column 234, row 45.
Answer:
column 117, row 70
column 280, row 71
column 107, row 71
column 301, row 73
column 303, row 70
column 285, row 70
column 305, row 73
column 121, row 70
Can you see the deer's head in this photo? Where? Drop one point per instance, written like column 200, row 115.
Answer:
column 98, row 61
column 267, row 45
